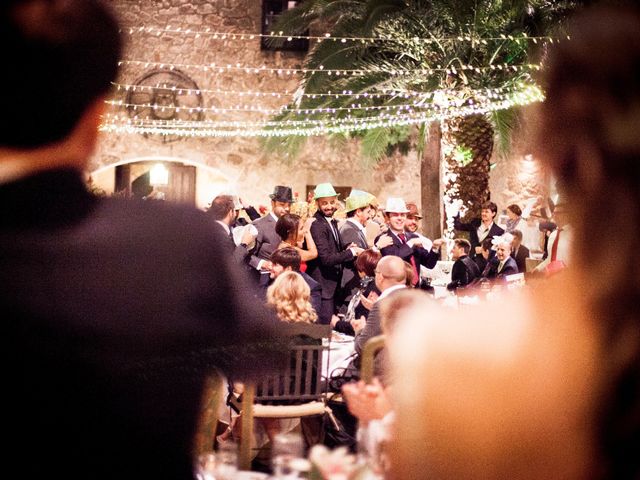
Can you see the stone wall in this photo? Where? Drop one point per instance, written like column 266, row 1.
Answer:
column 239, row 163
column 240, row 160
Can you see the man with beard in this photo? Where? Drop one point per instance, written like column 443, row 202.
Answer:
column 267, row 240
column 327, row 268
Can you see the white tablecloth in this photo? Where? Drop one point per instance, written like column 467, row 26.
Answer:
column 341, row 348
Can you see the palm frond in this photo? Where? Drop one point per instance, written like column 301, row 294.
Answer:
column 505, row 123
column 374, row 145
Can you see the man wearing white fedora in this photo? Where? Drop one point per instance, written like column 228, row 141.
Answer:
column 407, row 245
column 327, row 268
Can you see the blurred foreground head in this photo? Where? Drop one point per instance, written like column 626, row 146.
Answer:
column 58, row 58
column 546, row 383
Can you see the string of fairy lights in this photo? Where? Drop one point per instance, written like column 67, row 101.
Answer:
column 306, row 127
column 148, row 111
column 531, row 93
column 384, row 93
column 244, row 36
column 262, row 69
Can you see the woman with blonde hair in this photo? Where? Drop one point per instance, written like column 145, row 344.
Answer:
column 290, row 295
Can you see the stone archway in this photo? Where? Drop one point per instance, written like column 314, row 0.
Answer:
column 207, row 181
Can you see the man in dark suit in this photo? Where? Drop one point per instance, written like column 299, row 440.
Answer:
column 502, row 264
column 327, row 268
column 464, row 270
column 288, row 260
column 353, row 231
column 115, row 311
column 267, row 240
column 403, row 244
column 480, row 228
column 223, row 212
column 519, row 252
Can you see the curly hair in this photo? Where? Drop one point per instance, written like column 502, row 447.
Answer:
column 289, row 295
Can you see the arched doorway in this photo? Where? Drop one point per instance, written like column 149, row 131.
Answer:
column 180, row 180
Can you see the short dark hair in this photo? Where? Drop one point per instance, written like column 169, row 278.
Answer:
column 487, row 244
column 517, row 233
column 58, row 58
column 367, row 262
column 463, row 243
column 221, row 206
column 515, row 209
column 287, row 257
column 490, row 206
column 286, row 224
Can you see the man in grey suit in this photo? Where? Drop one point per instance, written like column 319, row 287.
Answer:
column 353, row 231
column 267, row 240
column 390, row 276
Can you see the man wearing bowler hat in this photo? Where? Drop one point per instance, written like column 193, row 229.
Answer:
column 332, row 256
column 267, row 240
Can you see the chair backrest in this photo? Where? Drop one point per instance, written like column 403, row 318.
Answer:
column 302, row 380
column 373, row 346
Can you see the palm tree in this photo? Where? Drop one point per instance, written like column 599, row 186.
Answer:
column 446, row 59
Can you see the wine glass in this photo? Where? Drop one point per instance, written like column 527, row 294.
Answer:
column 286, row 452
column 206, row 466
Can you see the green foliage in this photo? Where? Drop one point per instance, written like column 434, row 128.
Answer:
column 405, row 24
column 463, row 155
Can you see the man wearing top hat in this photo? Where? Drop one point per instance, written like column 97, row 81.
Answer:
column 406, row 245
column 332, row 256
column 267, row 240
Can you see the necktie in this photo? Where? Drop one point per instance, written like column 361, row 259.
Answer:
column 416, row 275
column 500, row 266
column 554, row 248
column 334, row 228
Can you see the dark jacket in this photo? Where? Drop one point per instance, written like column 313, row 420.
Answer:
column 472, row 228
column 521, row 258
column 428, row 258
column 326, row 269
column 491, row 270
column 115, row 311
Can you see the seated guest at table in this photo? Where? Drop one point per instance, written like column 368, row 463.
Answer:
column 464, row 270
column 480, row 228
column 294, row 233
column 519, row 252
column 290, row 296
column 502, row 264
column 545, row 383
column 288, row 260
column 371, row 403
column 362, row 297
column 390, row 275
column 486, row 254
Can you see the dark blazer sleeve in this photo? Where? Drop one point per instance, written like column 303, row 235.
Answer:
column 458, row 274
column 325, row 243
column 252, row 213
column 510, row 267
column 428, row 258
column 465, row 227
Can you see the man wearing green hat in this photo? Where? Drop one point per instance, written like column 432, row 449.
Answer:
column 353, row 231
column 332, row 255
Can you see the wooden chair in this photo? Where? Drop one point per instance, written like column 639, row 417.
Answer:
column 297, row 392
column 367, row 359
column 206, row 431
